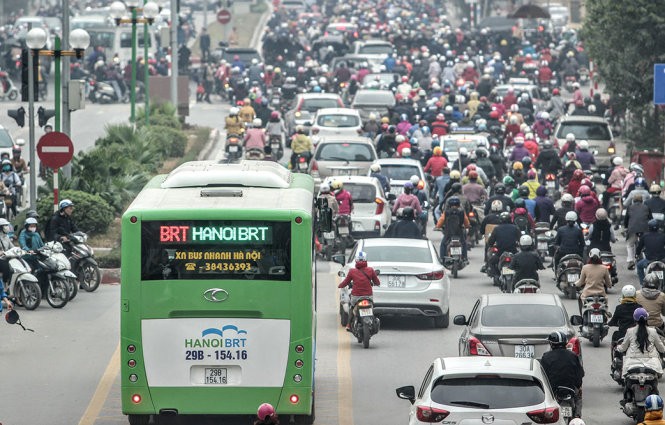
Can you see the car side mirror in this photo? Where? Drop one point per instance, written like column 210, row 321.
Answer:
column 339, row 259
column 392, row 196
column 460, row 320
column 377, row 271
column 407, row 393
column 576, row 320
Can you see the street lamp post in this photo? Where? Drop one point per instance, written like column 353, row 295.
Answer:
column 150, row 11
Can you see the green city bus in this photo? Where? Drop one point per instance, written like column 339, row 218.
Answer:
column 218, row 295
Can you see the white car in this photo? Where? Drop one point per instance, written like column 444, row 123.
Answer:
column 399, row 171
column 482, row 390
column 451, row 144
column 337, row 122
column 413, row 281
column 371, row 210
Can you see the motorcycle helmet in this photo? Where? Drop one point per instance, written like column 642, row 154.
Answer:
column 500, row 189
column 653, row 402
column 361, row 256
column 547, row 144
column 12, row 317
column 414, row 180
column 628, row 291
column 651, row 281
column 408, row 213
column 567, row 198
column 29, row 221
column 505, row 217
column 636, row 168
column 517, row 165
column 508, row 181
column 5, row 226
column 455, row 175
column 594, row 253
column 617, row 161
column 257, row 123
column 526, row 242
column 653, row 225
column 655, row 189
column 583, row 144
column 519, row 203
column 571, row 216
column 523, row 191
column 265, row 411
column 638, row 315
column 639, row 182
column 274, row 115
column 454, row 201
column 337, row 185
column 584, row 191
column 576, row 421
column 531, row 174
column 456, row 188
column 473, row 175
column 526, row 162
column 406, row 153
column 601, row 214
column 233, row 111
column 557, row 339
column 64, row 204
column 408, row 185
column 376, row 168
column 497, row 205
column 570, row 137
column 463, row 151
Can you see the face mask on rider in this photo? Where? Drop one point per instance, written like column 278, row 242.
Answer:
column 7, row 168
column 5, row 229
column 32, row 228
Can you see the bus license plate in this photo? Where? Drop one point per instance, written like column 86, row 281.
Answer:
column 365, row 312
column 542, row 245
column 566, row 411
column 659, row 274
column 456, row 250
column 550, row 185
column 507, row 270
column 233, row 148
column 572, row 277
column 596, row 318
column 396, row 281
column 525, row 352
column 215, row 375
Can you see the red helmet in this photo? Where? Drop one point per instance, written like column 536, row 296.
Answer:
column 274, row 115
column 494, row 115
column 471, row 167
column 399, row 97
column 555, row 92
column 584, row 191
column 578, row 174
column 440, row 117
column 473, row 174
column 265, row 411
column 405, row 79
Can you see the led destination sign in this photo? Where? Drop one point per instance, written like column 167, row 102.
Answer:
column 229, row 234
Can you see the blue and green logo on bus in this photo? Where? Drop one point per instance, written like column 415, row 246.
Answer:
column 228, row 336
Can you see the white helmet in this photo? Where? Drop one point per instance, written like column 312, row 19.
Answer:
column 233, row 111
column 361, row 256
column 255, row 61
column 497, row 205
column 525, row 240
column 571, row 216
column 594, row 253
column 256, row 122
column 463, row 151
column 4, row 222
column 617, row 161
column 414, row 180
column 406, row 153
column 545, row 115
column 576, row 421
column 375, row 168
column 567, row 197
column 583, row 144
column 628, row 291
column 570, row 137
column 400, row 138
column 325, row 188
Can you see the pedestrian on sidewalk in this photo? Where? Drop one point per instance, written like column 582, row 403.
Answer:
column 204, row 45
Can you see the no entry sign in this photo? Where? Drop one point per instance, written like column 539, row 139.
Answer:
column 224, row 16
column 55, row 149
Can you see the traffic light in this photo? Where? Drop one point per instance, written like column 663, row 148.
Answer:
column 44, row 115
column 18, row 115
column 24, row 75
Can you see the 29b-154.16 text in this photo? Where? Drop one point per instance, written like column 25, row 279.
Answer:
column 217, row 355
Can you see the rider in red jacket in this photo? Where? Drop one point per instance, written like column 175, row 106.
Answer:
column 363, row 279
column 344, row 198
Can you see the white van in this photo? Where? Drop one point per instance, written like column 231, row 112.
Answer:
column 118, row 41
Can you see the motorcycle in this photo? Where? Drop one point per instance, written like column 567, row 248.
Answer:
column 83, row 262
column 657, row 267
column 255, row 154
column 233, row 147
column 364, row 323
column 543, row 238
column 609, row 261
column 9, row 92
column 568, row 272
column 584, row 76
column 506, row 273
column 23, row 286
column 276, row 147
column 54, row 274
column 475, row 218
column 104, row 92
column 594, row 319
column 565, row 396
column 302, row 163
column 614, row 212
column 492, row 269
column 343, row 226
column 454, row 261
column 639, row 383
column 550, row 185
column 526, row 286
column 616, row 366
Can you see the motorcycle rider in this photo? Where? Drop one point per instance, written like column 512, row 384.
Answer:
column 505, row 236
column 30, row 239
column 473, row 191
column 569, row 239
column 601, row 233
column 453, row 221
column 636, row 221
column 587, row 206
column 531, row 183
column 545, row 209
column 639, row 188
column 594, row 278
column 559, row 218
column 642, row 345
column 652, row 300
column 5, row 245
column 19, row 164
column 255, row 137
column 623, row 313
column 656, row 204
column 548, row 161
column 233, row 124
column 615, row 181
column 436, row 163
column 653, row 406
column 363, row 278
column 275, row 126
column 343, row 197
column 408, row 199
column 583, row 155
column 652, row 244
column 300, row 144
column 325, row 192
column 61, row 224
column 500, row 195
column 556, row 106
column 404, row 227
column 11, row 181
column 375, row 170
column 569, row 146
column 247, row 112
column 527, row 262
column 563, row 368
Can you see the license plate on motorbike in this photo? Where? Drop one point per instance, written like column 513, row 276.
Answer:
column 525, row 352
column 364, row 312
column 328, row 235
column 659, row 274
column 566, row 411
column 572, row 277
column 550, row 185
column 396, row 281
column 215, row 375
column 274, row 146
column 596, row 318
column 302, row 166
column 343, row 230
column 542, row 245
column 233, row 149
column 456, row 250
column 507, row 270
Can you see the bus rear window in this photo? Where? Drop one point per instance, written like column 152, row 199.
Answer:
column 210, row 250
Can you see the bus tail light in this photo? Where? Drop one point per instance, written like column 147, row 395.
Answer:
column 300, row 349
column 294, row 398
column 136, row 399
column 131, row 348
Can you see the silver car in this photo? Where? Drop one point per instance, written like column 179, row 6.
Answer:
column 514, row 325
column 306, row 105
column 597, row 131
column 399, row 171
column 341, row 156
column 466, row 390
column 413, row 282
column 377, row 102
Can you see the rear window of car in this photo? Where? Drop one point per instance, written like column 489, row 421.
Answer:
column 345, row 152
column 313, row 105
column 338, row 121
column 363, row 193
column 452, row 145
column 375, row 49
column 488, row 392
column 399, row 172
column 585, row 130
column 374, row 98
column 5, row 139
column 523, row 316
column 393, row 254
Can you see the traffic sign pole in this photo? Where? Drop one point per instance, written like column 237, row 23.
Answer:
column 55, row 150
column 55, row 189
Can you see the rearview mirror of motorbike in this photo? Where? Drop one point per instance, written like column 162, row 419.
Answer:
column 377, row 271
column 341, row 273
column 460, row 320
column 339, row 259
column 576, row 320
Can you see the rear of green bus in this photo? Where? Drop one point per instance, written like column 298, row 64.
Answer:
column 217, row 310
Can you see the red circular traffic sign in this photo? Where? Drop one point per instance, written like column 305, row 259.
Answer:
column 55, row 149
column 223, row 16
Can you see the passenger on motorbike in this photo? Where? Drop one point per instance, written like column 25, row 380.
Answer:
column 233, row 124
column 505, row 236
column 636, row 222
column 615, row 181
column 653, row 406
column 545, row 209
column 527, row 262
column 575, row 182
column 569, row 146
column 652, row 244
column 587, row 206
column 559, row 218
column 499, row 195
column 569, row 239
column 453, row 222
column 623, row 313
column 594, row 278
column 300, row 144
column 563, row 368
column 255, row 137
column 405, row 226
column 601, row 234
column 363, row 278
column 642, row 345
column 408, row 199
column 375, row 171
column 343, row 197
column 5, row 245
column 653, row 300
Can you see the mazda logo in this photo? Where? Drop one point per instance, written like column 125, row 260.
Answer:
column 488, row 419
column 216, row 295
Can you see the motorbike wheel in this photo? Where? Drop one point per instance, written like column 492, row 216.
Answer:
column 13, row 94
column 454, row 271
column 29, row 295
column 571, row 293
column 57, row 294
column 366, row 334
column 639, row 415
column 89, row 277
column 328, row 253
column 73, row 288
column 496, row 281
column 595, row 338
column 343, row 316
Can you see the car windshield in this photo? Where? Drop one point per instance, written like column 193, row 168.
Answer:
column 338, row 121
column 523, row 316
column 585, row 130
column 313, row 105
column 399, row 172
column 101, row 38
column 452, row 145
column 375, row 49
column 374, row 98
column 361, row 193
column 382, row 78
column 345, row 152
column 126, row 39
column 491, row 392
column 393, row 254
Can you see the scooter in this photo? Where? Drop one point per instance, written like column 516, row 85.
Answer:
column 54, row 274
column 550, row 185
column 639, row 383
column 276, row 147
column 565, row 396
column 302, row 163
column 454, row 261
column 363, row 322
column 343, row 227
column 83, row 262
column 568, row 272
column 255, row 154
column 526, row 286
column 233, row 147
column 543, row 237
column 10, row 92
column 609, row 260
column 616, row 366
column 506, row 273
column 594, row 319
column 614, row 212
column 23, row 285
column 657, row 267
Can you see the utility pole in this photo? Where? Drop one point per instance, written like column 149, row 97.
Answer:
column 174, row 53
column 66, row 116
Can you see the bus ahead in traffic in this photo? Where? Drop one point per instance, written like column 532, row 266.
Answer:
column 218, row 311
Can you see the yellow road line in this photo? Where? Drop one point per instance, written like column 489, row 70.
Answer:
column 103, row 389
column 344, row 381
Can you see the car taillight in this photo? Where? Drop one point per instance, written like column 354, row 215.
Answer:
column 377, row 225
column 574, row 345
column 544, row 416
column 380, row 205
column 431, row 414
column 476, row 348
column 436, row 275
column 315, row 166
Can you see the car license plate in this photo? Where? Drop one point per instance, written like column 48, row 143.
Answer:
column 302, row 166
column 659, row 274
column 573, row 277
column 343, row 230
column 566, row 411
column 215, row 375
column 507, row 270
column 364, row 312
column 358, row 227
column 396, row 281
column 456, row 250
column 542, row 245
column 328, row 235
column 525, row 351
column 233, row 148
column 395, row 190
column 596, row 318
column 550, row 185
